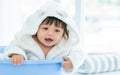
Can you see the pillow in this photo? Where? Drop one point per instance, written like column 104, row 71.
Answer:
column 98, row 63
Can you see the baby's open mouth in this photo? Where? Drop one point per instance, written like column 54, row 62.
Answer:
column 48, row 39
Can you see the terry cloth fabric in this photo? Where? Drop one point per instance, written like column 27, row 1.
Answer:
column 99, row 63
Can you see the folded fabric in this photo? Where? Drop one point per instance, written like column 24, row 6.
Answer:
column 99, row 63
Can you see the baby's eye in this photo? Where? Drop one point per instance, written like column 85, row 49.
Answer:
column 45, row 28
column 57, row 30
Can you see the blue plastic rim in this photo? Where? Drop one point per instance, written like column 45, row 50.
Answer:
column 42, row 67
column 53, row 61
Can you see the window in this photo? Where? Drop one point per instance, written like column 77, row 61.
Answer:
column 102, row 25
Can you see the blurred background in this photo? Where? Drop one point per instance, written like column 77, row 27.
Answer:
column 98, row 21
column 102, row 25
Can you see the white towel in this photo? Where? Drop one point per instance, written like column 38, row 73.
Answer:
column 98, row 63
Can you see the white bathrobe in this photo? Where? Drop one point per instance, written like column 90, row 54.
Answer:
column 25, row 45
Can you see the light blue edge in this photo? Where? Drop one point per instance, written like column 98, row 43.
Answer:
column 8, row 61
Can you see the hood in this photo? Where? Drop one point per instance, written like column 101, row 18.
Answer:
column 31, row 25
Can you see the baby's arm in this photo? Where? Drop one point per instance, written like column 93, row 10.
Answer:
column 16, row 59
column 67, row 64
column 15, row 52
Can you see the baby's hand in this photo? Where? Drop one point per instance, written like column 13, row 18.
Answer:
column 67, row 64
column 17, row 59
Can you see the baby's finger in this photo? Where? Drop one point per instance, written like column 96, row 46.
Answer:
column 14, row 60
column 66, row 58
column 63, row 63
column 19, row 60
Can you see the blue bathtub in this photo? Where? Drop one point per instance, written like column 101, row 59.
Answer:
column 41, row 67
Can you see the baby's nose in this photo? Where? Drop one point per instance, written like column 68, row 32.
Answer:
column 50, row 33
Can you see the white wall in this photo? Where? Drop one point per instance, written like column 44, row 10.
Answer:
column 11, row 19
column 102, row 28
column 13, row 13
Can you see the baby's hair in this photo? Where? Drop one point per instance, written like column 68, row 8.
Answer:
column 58, row 23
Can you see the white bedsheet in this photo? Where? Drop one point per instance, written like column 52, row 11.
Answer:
column 106, row 73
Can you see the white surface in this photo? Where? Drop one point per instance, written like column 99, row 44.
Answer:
column 106, row 73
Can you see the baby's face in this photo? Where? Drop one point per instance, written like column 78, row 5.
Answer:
column 49, row 35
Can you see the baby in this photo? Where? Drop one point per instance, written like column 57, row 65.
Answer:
column 47, row 34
